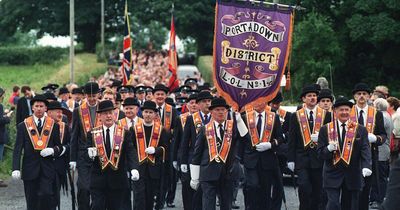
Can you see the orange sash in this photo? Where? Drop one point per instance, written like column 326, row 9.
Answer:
column 39, row 141
column 183, row 119
column 268, row 126
column 197, row 122
column 116, row 149
column 214, row 154
column 86, row 119
column 344, row 153
column 167, row 116
column 62, row 128
column 141, row 140
column 305, row 128
column 370, row 125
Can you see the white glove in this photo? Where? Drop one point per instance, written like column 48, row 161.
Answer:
column 366, row 172
column 92, row 152
column 72, row 165
column 290, row 165
column 314, row 137
column 47, row 152
column 175, row 164
column 150, row 150
column 16, row 175
column 240, row 125
column 371, row 138
column 194, row 175
column 184, row 168
column 332, row 147
column 194, row 184
column 263, row 146
column 238, row 117
column 134, row 175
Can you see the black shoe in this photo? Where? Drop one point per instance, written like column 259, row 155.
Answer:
column 171, row 205
column 375, row 205
column 234, row 205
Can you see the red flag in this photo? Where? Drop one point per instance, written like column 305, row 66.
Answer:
column 126, row 66
column 172, row 59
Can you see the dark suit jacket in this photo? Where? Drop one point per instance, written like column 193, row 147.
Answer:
column 62, row 162
column 22, row 110
column 303, row 158
column 109, row 178
column 187, row 145
column 4, row 120
column 213, row 171
column 268, row 158
column 153, row 169
column 392, row 200
column 34, row 165
column 178, row 135
column 334, row 176
column 169, row 133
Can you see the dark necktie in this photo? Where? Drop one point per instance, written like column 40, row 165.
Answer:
column 311, row 121
column 361, row 117
column 108, row 142
column 343, row 134
column 39, row 125
column 159, row 111
column 221, row 134
column 133, row 122
column 205, row 119
column 259, row 122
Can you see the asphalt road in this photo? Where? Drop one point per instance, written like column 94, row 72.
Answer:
column 12, row 198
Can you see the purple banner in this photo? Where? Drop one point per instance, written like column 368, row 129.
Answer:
column 251, row 48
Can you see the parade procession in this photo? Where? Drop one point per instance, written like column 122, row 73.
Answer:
column 278, row 117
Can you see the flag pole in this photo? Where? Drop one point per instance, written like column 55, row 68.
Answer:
column 71, row 35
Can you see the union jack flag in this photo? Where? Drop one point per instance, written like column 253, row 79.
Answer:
column 126, row 66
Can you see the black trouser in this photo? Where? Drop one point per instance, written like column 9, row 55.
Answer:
column 210, row 189
column 259, row 185
column 40, row 194
column 310, row 188
column 105, row 198
column 127, row 198
column 168, row 188
column 349, row 198
column 192, row 199
column 83, row 195
column 144, row 190
column 378, row 190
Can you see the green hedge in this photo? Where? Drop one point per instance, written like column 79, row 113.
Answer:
column 29, row 56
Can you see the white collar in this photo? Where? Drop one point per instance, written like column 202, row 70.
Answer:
column 365, row 109
column 111, row 128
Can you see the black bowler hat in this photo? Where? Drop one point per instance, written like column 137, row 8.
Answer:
column 325, row 93
column 40, row 98
column 131, row 102
column 192, row 97
column 104, row 106
column 170, row 101
column 91, row 88
column 278, row 98
column 361, row 87
column 53, row 105
column 160, row 87
column 77, row 91
column 218, row 102
column 63, row 90
column 50, row 87
column 309, row 89
column 204, row 95
column 116, row 83
column 50, row 96
column 342, row 101
column 149, row 105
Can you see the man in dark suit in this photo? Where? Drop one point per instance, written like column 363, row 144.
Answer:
column 150, row 138
column 214, row 163
column 343, row 145
column 259, row 156
column 110, row 147
column 185, row 154
column 84, row 118
column 302, row 150
column 39, row 137
column 54, row 111
column 167, row 116
column 23, row 106
column 372, row 119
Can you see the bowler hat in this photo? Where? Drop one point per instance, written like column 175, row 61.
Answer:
column 361, row 87
column 309, row 89
column 54, row 105
column 77, row 91
column 40, row 98
column 160, row 87
column 149, row 105
column 192, row 97
column 104, row 106
column 342, row 101
column 204, row 95
column 278, row 98
column 63, row 90
column 50, row 96
column 131, row 102
column 91, row 88
column 218, row 102
column 325, row 93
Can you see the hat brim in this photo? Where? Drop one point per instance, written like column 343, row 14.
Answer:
column 160, row 89
column 130, row 104
column 305, row 93
column 203, row 98
column 219, row 105
column 357, row 90
column 151, row 108
column 348, row 103
column 105, row 109
column 40, row 100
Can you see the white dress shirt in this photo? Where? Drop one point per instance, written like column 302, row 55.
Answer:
column 365, row 111
column 217, row 129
